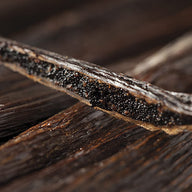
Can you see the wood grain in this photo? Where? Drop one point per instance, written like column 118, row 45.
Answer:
column 156, row 157
column 71, row 132
column 24, row 103
column 139, row 151
column 124, row 158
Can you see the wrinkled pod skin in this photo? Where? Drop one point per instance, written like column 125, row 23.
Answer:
column 122, row 96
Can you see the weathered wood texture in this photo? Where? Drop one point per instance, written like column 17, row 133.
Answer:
column 157, row 156
column 71, row 132
column 24, row 103
column 81, row 149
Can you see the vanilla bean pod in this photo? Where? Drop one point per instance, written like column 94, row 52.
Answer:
column 120, row 95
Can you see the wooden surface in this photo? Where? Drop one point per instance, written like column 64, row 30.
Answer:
column 81, row 149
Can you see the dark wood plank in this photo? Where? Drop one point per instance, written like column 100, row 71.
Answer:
column 136, row 159
column 115, row 156
column 152, row 162
column 77, row 130
column 24, row 103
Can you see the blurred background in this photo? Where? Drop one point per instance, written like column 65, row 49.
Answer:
column 105, row 32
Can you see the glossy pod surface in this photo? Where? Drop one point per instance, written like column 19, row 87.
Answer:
column 120, row 95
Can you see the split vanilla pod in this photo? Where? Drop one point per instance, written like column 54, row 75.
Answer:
column 122, row 96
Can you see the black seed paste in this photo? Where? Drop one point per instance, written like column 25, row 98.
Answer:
column 99, row 94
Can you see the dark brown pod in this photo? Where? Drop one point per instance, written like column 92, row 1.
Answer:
column 122, row 96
